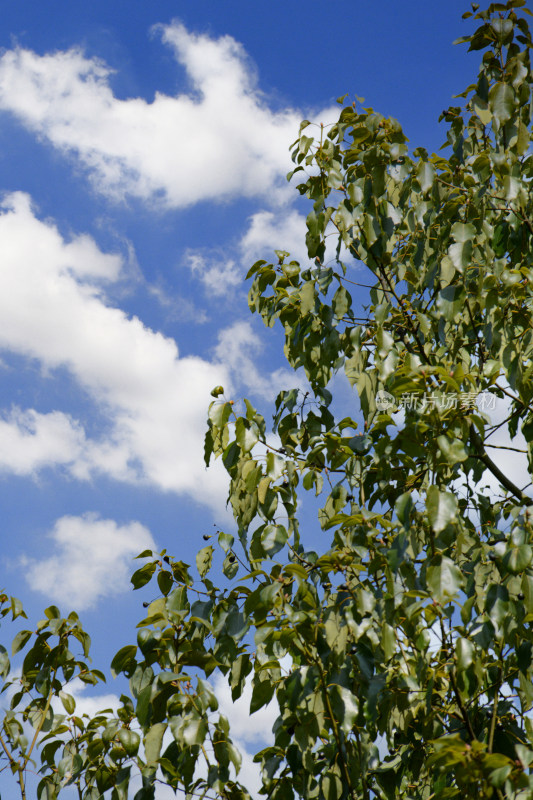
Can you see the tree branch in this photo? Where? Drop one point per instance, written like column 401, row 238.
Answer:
column 496, row 471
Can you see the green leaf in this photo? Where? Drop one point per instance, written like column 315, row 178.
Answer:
column 441, row 507
column 444, row 579
column 273, row 538
column 501, row 102
column 143, row 575
column 527, row 590
column 463, row 232
column 275, row 465
column 176, row 604
column 360, row 443
column 460, row 254
column 499, row 776
column 16, row 608
column 425, row 175
column 145, row 554
column 453, row 450
column 219, row 413
column 124, row 660
column 153, row 741
column 225, row 541
column 19, row 641
column 481, row 108
column 191, row 731
column 165, row 581
column 403, row 507
column 388, row 640
column 518, row 559
column 503, row 28
column 4, row 662
column 262, row 694
column 69, row 704
column 341, row 302
column 207, row 695
column 307, row 298
column 346, row 705
column 361, row 133
column 523, row 138
column 204, row 560
column 497, row 606
column 246, row 434
column 130, row 740
column 230, row 566
column 464, row 650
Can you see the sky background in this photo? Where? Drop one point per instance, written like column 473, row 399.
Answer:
column 143, row 153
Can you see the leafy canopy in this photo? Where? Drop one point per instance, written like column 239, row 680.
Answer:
column 401, row 657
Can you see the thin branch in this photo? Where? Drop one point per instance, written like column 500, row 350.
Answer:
column 6, row 751
column 458, row 698
column 505, row 447
column 494, row 714
column 510, row 395
column 496, row 471
column 42, row 720
column 21, row 782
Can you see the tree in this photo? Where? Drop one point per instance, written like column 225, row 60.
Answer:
column 401, row 655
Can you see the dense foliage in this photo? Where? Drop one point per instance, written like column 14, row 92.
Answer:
column 401, row 655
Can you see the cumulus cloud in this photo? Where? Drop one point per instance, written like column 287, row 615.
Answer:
column 29, row 441
column 220, row 139
column 238, row 347
column 91, row 559
column 269, row 231
column 286, row 230
column 220, row 277
column 154, row 402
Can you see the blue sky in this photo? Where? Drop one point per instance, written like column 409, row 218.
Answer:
column 143, row 153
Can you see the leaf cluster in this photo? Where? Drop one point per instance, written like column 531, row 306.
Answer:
column 399, row 658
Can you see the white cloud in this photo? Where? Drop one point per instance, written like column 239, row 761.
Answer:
column 92, row 559
column 281, row 230
column 176, row 306
column 269, row 231
column 219, row 276
column 237, row 348
column 512, row 463
column 154, row 402
column 30, row 441
column 244, row 726
column 219, row 140
column 247, row 729
column 86, row 704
